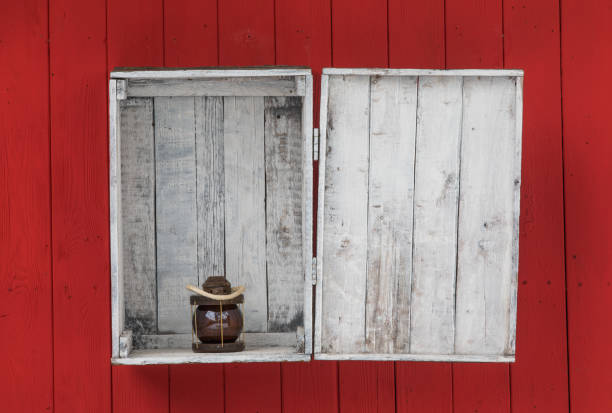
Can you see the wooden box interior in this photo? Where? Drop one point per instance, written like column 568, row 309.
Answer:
column 214, row 178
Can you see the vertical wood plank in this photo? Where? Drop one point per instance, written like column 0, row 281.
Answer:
column 196, row 388
column 190, row 33
column 359, row 34
column 474, row 37
column 371, row 386
column 587, row 127
column 416, row 34
column 393, row 110
column 436, row 200
column 252, row 387
column 283, row 169
column 539, row 376
column 80, row 212
column 210, row 188
column 135, row 33
column 134, row 39
column 345, row 220
column 423, row 387
column 310, row 387
column 140, row 389
column 485, row 262
column 246, row 32
column 472, row 41
column 138, row 215
column 25, row 220
column 175, row 198
column 191, row 39
column 245, row 214
column 470, row 379
column 416, row 39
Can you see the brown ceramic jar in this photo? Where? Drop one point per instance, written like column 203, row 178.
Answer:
column 207, row 317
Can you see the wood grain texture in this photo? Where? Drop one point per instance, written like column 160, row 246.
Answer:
column 586, row 139
column 25, row 216
column 196, row 388
column 539, row 377
column 344, row 252
column 416, row 33
column 486, row 260
column 210, row 188
column 310, row 387
column 416, row 39
column 175, row 208
column 79, row 178
column 359, row 34
column 246, row 33
column 190, row 33
column 366, row 386
column 135, row 33
column 245, row 215
column 393, row 114
column 423, row 387
column 284, row 196
column 436, row 200
column 138, row 215
column 225, row 86
column 142, row 389
column 471, row 379
column 252, row 388
column 474, row 37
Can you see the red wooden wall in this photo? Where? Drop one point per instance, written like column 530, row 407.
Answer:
column 55, row 56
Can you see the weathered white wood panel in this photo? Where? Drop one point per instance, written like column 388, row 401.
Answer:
column 210, row 188
column 345, row 215
column 158, row 341
column 226, row 86
column 175, row 211
column 445, row 287
column 336, row 71
column 487, row 215
column 390, row 198
column 283, row 157
column 138, row 215
column 245, row 214
column 435, row 214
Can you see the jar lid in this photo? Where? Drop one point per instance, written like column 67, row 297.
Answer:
column 217, row 285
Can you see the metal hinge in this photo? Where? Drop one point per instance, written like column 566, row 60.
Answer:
column 315, row 144
column 314, row 270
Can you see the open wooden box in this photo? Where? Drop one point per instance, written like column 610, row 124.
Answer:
column 418, row 208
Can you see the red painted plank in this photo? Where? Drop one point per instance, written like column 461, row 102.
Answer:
column 196, row 388
column 140, row 389
column 246, row 32
column 26, row 367
column 539, row 377
column 135, row 33
column 474, row 34
column 252, row 387
column 587, row 127
column 135, row 39
column 416, row 34
column 366, row 386
column 190, row 33
column 424, row 387
column 416, row 39
column 474, row 40
column 79, row 170
column 359, row 33
column 310, row 387
column 481, row 388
